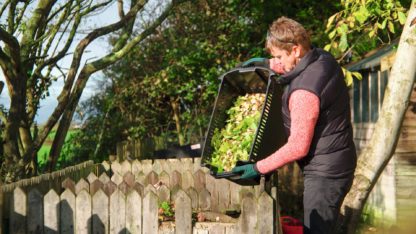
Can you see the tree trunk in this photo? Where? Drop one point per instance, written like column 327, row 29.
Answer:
column 176, row 116
column 12, row 161
column 383, row 142
column 102, row 131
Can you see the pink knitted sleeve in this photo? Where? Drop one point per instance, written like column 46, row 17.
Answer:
column 304, row 112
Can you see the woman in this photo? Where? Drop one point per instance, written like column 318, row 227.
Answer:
column 316, row 116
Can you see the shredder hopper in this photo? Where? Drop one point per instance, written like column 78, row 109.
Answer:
column 269, row 135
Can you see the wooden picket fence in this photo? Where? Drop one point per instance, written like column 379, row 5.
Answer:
column 125, row 198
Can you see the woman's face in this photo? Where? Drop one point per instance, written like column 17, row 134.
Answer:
column 283, row 61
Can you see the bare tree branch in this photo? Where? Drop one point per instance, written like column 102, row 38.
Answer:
column 34, row 23
column 64, row 96
column 65, row 7
column 12, row 45
column 127, row 31
column 87, row 40
column 1, row 86
column 10, row 18
column 20, row 16
column 96, row 7
column 3, row 8
column 120, row 8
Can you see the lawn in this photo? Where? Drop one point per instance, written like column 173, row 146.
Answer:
column 46, row 147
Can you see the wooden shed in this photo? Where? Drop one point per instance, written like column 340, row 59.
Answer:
column 393, row 200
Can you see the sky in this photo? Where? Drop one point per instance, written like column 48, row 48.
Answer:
column 95, row 50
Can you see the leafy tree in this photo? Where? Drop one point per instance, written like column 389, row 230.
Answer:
column 168, row 85
column 363, row 25
column 359, row 27
column 36, row 36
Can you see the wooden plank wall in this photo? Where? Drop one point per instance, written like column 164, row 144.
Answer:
column 405, row 168
column 394, row 197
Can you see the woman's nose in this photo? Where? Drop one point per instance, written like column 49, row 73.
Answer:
column 277, row 66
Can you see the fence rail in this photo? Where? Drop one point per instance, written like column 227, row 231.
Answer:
column 125, row 198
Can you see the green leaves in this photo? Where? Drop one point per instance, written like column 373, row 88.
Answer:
column 359, row 23
column 402, row 18
column 234, row 141
column 361, row 15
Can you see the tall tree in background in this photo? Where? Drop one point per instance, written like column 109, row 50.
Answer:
column 168, row 85
column 36, row 36
column 359, row 27
column 382, row 144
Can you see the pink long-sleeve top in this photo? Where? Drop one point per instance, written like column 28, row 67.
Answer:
column 304, row 112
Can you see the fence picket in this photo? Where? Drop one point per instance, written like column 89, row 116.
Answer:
column 128, row 177
column 248, row 218
column 187, row 164
column 223, row 191
column 83, row 208
column 95, row 186
column 204, row 200
column 34, row 212
column 163, row 193
column 166, row 166
column 69, row 184
column 140, row 177
column 106, row 165
column 235, row 196
column 117, row 212
column 175, row 179
column 134, row 212
column 67, row 212
column 125, row 167
column 18, row 212
column 212, row 188
column 187, row 179
column 109, row 188
column 124, row 187
column 51, row 212
column 116, row 167
column 157, row 166
column 139, row 188
column 183, row 213
column 100, row 219
column 136, row 167
column 117, row 178
column 104, row 178
column 150, row 208
column 197, row 164
column 150, row 188
column 91, row 178
column 193, row 195
column 147, row 166
column 199, row 180
column 174, row 164
column 265, row 217
column 151, row 178
column 165, row 178
column 82, row 185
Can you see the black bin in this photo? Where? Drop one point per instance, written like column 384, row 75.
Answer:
column 270, row 132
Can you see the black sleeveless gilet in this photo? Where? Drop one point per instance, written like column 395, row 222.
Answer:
column 332, row 153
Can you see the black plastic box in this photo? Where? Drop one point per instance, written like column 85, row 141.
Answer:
column 270, row 132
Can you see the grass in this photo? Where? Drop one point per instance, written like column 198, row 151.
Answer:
column 43, row 152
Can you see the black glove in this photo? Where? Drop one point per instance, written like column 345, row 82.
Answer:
column 248, row 171
column 261, row 62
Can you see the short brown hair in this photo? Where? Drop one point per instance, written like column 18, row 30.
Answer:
column 284, row 33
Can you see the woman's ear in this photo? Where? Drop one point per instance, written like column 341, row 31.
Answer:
column 297, row 49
